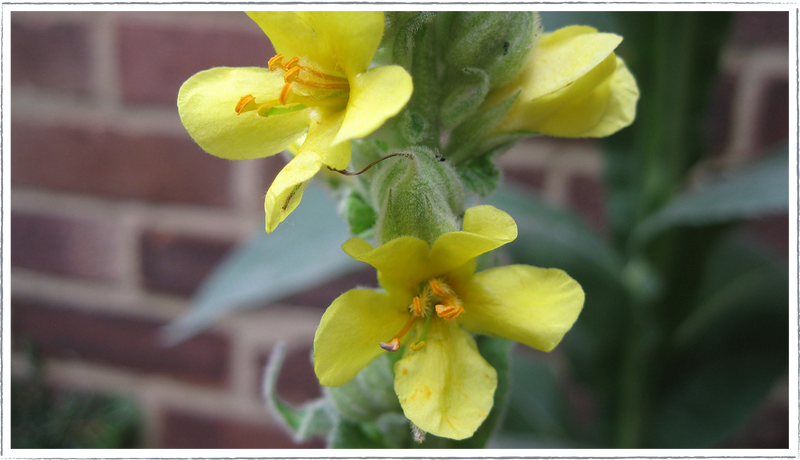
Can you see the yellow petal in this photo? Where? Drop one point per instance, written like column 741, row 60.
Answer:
column 570, row 111
column 530, row 305
column 207, row 103
column 287, row 189
column 337, row 41
column 621, row 106
column 375, row 96
column 446, row 388
column 564, row 56
column 320, row 137
column 485, row 228
column 351, row 330
column 401, row 263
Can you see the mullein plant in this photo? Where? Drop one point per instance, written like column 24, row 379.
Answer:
column 402, row 115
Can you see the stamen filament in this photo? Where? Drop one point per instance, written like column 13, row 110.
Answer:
column 314, row 84
column 324, row 75
column 394, row 344
column 421, row 342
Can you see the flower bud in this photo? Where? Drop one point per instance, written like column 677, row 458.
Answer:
column 420, row 195
column 497, row 42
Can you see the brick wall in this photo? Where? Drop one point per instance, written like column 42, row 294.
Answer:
column 116, row 215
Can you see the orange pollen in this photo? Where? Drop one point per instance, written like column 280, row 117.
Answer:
column 276, row 62
column 437, row 289
column 449, row 312
column 418, row 310
column 394, row 344
column 243, row 102
column 291, row 63
column 291, row 75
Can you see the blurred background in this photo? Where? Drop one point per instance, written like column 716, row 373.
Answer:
column 117, row 217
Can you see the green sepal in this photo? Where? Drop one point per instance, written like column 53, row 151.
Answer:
column 406, row 38
column 368, row 395
column 469, row 139
column 466, row 95
column 481, row 175
column 413, row 126
column 351, row 435
column 359, row 214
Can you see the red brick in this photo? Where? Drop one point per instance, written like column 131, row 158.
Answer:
column 322, row 296
column 118, row 340
column 297, row 382
column 717, row 121
column 587, row 196
column 532, row 178
column 179, row 263
column 760, row 28
column 773, row 121
column 97, row 160
column 54, row 56
column 156, row 60
column 65, row 246
column 186, row 430
column 773, row 230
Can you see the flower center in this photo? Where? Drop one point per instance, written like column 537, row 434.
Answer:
column 445, row 302
column 304, row 86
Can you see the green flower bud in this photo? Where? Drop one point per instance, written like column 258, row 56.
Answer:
column 420, row 195
column 497, row 42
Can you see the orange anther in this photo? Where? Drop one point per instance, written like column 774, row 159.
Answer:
column 418, row 310
column 418, row 346
column 243, row 103
column 437, row 289
column 275, row 62
column 291, row 63
column 449, row 312
column 291, row 75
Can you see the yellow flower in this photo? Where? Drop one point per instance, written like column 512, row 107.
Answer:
column 318, row 85
column 573, row 86
column 432, row 298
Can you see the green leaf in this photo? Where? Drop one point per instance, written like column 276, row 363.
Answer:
column 315, row 418
column 481, row 175
column 303, row 251
column 369, row 395
column 350, row 435
column 673, row 56
column 760, row 189
column 536, row 405
column 728, row 353
column 360, row 215
column 552, row 237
